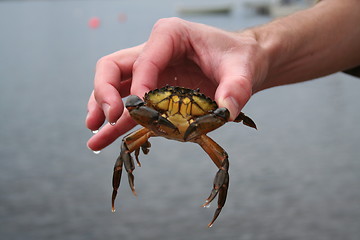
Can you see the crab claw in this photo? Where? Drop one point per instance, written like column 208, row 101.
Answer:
column 147, row 116
column 133, row 101
column 207, row 123
column 246, row 120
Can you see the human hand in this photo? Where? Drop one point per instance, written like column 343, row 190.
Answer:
column 226, row 66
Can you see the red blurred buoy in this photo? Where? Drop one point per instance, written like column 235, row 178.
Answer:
column 94, row 22
column 122, row 17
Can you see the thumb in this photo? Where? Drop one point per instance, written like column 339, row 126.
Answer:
column 233, row 92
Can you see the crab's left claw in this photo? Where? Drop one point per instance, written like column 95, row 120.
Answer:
column 207, row 123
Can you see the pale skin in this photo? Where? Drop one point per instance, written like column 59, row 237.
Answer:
column 227, row 66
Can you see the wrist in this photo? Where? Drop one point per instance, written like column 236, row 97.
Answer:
column 279, row 43
column 311, row 43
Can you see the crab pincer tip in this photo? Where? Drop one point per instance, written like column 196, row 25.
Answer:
column 211, row 223
column 249, row 122
column 133, row 191
column 113, row 208
column 206, row 204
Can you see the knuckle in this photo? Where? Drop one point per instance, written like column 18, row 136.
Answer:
column 137, row 63
column 168, row 23
column 245, row 87
column 102, row 61
column 98, row 95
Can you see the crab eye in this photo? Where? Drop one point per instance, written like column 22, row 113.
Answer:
column 222, row 113
column 133, row 101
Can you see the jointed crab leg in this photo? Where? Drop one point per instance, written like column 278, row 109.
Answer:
column 132, row 142
column 221, row 181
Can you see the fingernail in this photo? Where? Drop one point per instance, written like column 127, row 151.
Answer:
column 106, row 109
column 232, row 105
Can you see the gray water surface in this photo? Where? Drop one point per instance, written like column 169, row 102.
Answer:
column 297, row 177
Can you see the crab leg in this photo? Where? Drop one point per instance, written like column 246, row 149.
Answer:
column 221, row 181
column 132, row 142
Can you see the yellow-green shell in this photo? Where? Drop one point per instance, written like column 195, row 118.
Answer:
column 188, row 103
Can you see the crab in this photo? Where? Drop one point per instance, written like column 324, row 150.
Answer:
column 181, row 114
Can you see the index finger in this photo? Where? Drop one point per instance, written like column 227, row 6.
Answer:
column 112, row 81
column 166, row 42
column 107, row 88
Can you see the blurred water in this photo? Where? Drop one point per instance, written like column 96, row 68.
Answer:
column 296, row 178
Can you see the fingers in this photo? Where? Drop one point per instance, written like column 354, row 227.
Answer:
column 107, row 88
column 109, row 133
column 165, row 44
column 95, row 116
column 138, row 68
column 112, row 82
column 141, row 65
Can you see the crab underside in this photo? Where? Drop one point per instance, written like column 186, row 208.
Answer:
column 179, row 114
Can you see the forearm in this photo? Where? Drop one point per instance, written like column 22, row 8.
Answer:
column 312, row 43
